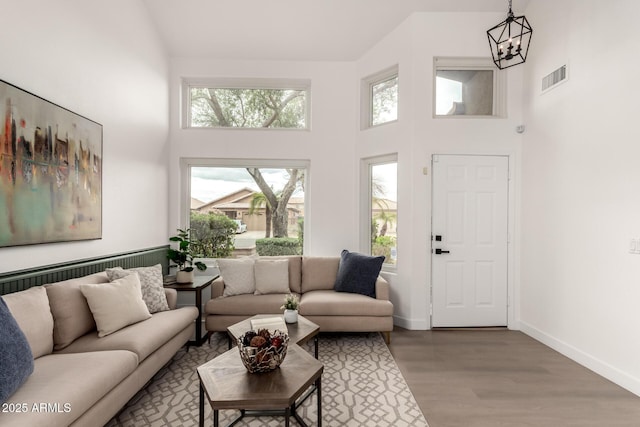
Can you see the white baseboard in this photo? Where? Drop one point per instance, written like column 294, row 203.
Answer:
column 411, row 324
column 604, row 369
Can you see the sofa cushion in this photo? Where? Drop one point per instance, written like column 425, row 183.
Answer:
column 332, row 303
column 71, row 383
column 142, row 338
column 116, row 304
column 272, row 276
column 319, row 273
column 31, row 310
column 151, row 283
column 358, row 273
column 16, row 359
column 71, row 314
column 246, row 305
column 238, row 276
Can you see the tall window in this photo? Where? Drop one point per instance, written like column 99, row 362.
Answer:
column 256, row 104
column 380, row 237
column 380, row 98
column 266, row 201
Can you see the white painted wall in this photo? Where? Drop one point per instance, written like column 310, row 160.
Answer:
column 102, row 60
column 580, row 203
column 416, row 136
column 329, row 146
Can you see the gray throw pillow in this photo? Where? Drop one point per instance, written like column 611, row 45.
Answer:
column 358, row 273
column 16, row 359
column 151, row 280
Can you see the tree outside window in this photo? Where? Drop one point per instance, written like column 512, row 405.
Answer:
column 384, row 101
column 221, row 107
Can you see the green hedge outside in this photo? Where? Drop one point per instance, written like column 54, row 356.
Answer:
column 275, row 246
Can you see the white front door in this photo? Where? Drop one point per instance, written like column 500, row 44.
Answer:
column 469, row 241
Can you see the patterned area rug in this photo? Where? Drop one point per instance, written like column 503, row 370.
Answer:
column 361, row 386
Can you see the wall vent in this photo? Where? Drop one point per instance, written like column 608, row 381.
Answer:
column 554, row 78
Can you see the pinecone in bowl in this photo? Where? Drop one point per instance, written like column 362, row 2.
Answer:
column 262, row 351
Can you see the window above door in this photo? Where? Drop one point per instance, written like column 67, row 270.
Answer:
column 467, row 87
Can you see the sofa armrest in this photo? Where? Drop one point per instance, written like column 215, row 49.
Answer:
column 217, row 288
column 382, row 288
column 172, row 298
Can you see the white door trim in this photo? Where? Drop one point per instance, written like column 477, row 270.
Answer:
column 513, row 306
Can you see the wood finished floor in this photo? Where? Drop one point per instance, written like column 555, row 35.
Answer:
column 495, row 378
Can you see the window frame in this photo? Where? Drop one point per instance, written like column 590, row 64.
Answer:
column 366, row 96
column 186, row 163
column 472, row 63
column 188, row 83
column 366, row 201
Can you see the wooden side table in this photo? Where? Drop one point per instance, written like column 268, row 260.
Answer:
column 199, row 283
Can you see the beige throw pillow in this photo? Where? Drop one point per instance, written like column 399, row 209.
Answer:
column 237, row 275
column 272, row 276
column 71, row 314
column 31, row 310
column 116, row 304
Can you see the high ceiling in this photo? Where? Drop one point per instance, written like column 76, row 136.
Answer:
column 314, row 30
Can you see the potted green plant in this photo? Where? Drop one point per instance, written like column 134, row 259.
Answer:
column 183, row 257
column 290, row 308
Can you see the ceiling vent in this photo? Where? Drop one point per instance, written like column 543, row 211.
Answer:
column 554, row 79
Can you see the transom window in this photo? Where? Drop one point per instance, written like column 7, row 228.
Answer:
column 246, row 104
column 467, row 87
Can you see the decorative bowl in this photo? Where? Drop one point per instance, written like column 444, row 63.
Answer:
column 262, row 351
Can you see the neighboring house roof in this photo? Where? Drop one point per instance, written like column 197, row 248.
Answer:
column 228, row 198
column 241, row 200
column 234, row 205
column 386, row 205
column 195, row 203
column 296, row 200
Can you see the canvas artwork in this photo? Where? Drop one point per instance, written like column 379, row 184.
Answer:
column 50, row 172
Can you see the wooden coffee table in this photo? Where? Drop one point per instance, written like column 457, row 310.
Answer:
column 300, row 332
column 228, row 385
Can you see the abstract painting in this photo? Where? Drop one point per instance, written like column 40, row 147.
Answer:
column 50, row 171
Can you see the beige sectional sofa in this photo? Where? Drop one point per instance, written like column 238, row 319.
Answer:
column 80, row 379
column 312, row 279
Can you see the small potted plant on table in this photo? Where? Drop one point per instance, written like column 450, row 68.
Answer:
column 183, row 257
column 290, row 308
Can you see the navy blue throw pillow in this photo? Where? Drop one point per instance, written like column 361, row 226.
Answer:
column 358, row 273
column 16, row 359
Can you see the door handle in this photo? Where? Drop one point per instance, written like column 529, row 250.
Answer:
column 440, row 251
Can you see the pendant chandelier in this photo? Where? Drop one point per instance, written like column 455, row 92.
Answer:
column 509, row 40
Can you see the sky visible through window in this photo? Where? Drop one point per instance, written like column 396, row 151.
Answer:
column 447, row 92
column 210, row 183
column 386, row 175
